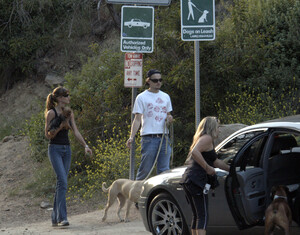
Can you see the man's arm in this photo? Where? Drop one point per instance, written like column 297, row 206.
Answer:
column 134, row 128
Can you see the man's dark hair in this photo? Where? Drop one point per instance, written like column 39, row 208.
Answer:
column 151, row 72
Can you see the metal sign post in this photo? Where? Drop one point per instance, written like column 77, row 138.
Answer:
column 132, row 150
column 133, row 77
column 197, row 24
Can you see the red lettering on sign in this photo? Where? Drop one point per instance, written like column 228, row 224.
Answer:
column 136, row 72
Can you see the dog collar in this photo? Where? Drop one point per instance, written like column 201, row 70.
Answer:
column 276, row 196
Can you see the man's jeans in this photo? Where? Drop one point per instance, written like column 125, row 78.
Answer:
column 60, row 158
column 149, row 149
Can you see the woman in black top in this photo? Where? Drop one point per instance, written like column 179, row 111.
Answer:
column 203, row 159
column 59, row 150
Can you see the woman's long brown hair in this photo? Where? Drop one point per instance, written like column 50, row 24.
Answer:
column 51, row 101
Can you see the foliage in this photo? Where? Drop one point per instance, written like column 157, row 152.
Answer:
column 248, row 74
column 110, row 162
column 34, row 128
column 254, row 106
column 30, row 29
column 256, row 46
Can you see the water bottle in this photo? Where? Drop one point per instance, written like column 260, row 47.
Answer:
column 206, row 188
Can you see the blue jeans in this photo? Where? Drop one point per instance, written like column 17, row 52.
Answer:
column 149, row 149
column 60, row 158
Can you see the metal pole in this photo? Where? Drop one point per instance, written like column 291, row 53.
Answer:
column 132, row 150
column 197, row 82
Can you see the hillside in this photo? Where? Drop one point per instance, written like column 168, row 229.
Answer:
column 18, row 205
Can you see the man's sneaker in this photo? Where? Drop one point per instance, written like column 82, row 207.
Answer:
column 64, row 223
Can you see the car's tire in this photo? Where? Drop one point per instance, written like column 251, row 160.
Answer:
column 129, row 26
column 145, row 26
column 165, row 216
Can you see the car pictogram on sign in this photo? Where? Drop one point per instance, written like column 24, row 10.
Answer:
column 136, row 23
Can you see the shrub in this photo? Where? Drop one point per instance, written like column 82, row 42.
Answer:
column 34, row 128
column 110, row 161
column 252, row 105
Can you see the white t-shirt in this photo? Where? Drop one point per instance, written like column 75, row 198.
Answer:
column 154, row 108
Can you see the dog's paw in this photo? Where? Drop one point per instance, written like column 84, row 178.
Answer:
column 126, row 220
column 103, row 219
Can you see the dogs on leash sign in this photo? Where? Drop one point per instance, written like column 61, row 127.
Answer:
column 133, row 70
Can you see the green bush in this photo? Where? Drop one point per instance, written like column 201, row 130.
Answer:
column 251, row 105
column 243, row 71
column 34, row 128
column 110, row 161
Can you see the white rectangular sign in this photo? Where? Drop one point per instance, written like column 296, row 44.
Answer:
column 142, row 2
column 133, row 70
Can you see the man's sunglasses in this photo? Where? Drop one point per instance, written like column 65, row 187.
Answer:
column 156, row 80
column 65, row 95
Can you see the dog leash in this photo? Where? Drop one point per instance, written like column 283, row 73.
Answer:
column 160, row 145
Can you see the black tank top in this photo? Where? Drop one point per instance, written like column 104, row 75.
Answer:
column 62, row 137
column 195, row 173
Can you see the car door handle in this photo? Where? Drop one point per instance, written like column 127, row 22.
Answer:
column 253, row 184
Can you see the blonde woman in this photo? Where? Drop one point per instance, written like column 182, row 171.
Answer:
column 59, row 150
column 203, row 159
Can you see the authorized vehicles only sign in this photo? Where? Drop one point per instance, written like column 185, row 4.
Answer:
column 137, row 29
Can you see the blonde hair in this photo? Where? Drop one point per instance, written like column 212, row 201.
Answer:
column 208, row 126
column 51, row 101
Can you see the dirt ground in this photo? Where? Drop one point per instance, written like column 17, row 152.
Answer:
column 20, row 211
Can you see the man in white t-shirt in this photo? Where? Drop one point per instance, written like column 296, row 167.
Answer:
column 152, row 108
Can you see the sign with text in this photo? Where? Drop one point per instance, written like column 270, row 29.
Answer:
column 137, row 29
column 197, row 20
column 141, row 2
column 133, row 70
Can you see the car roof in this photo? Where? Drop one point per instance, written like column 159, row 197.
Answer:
column 294, row 118
column 293, row 124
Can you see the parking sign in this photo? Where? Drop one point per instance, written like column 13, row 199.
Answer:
column 197, row 20
column 137, row 29
column 133, row 70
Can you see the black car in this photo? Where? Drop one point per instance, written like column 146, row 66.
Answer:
column 260, row 156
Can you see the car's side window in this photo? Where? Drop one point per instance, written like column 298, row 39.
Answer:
column 284, row 159
column 229, row 150
column 252, row 155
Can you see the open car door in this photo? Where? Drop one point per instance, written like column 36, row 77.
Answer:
column 245, row 185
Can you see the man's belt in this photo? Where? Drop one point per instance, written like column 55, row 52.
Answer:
column 153, row 135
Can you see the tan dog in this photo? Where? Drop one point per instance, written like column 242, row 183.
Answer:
column 278, row 213
column 122, row 189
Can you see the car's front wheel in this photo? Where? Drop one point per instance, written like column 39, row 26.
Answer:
column 165, row 217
